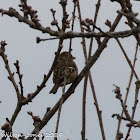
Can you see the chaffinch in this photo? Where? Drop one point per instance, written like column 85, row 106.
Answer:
column 65, row 67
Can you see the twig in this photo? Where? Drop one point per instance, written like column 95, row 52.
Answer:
column 24, row 7
column 128, row 117
column 11, row 78
column 83, row 132
column 86, row 77
column 54, row 22
column 129, row 62
column 91, row 82
column 63, row 4
column 36, row 123
column 13, row 13
column 134, row 107
column 130, row 21
column 11, row 75
column 60, row 106
column 65, row 15
column 20, row 76
column 131, row 16
column 94, row 22
column 38, row 39
column 128, row 89
column 46, row 77
column 65, row 77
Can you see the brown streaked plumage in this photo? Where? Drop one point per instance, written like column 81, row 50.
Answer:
column 64, row 68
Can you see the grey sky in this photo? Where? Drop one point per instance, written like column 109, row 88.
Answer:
column 36, row 59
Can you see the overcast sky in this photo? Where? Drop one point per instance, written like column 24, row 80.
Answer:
column 36, row 59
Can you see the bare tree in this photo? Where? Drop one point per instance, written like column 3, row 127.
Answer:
column 88, row 30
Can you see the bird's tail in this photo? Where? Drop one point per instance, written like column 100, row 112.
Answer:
column 54, row 89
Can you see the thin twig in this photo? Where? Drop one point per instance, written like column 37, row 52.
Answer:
column 64, row 26
column 11, row 75
column 46, row 77
column 86, row 78
column 128, row 60
column 128, row 88
column 94, row 22
column 60, row 106
column 20, row 77
column 83, row 132
column 11, row 78
column 13, row 13
column 134, row 107
column 54, row 22
column 38, row 39
column 91, row 82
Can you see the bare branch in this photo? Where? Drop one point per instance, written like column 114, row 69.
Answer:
column 12, row 12
column 11, row 75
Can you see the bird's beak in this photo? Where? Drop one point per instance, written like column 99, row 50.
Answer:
column 74, row 57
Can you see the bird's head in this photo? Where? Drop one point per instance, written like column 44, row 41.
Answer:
column 65, row 55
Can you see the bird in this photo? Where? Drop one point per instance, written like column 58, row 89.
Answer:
column 65, row 68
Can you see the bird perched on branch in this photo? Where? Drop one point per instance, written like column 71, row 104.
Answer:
column 64, row 69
